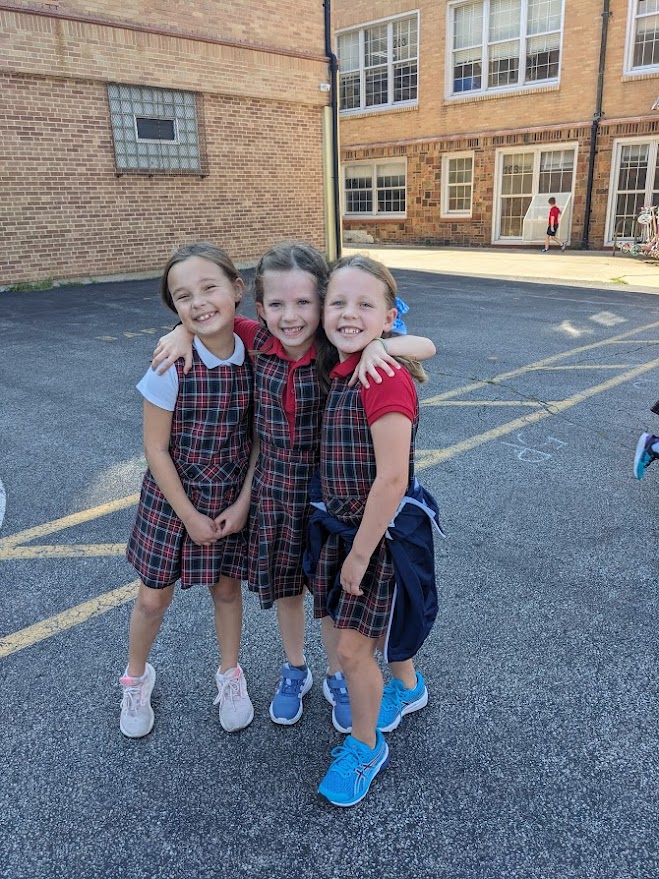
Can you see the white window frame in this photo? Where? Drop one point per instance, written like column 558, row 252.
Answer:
column 445, row 211
column 522, row 85
column 537, row 151
column 630, row 43
column 373, row 165
column 360, row 30
column 616, row 156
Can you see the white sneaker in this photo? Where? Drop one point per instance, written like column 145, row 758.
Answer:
column 236, row 709
column 136, row 711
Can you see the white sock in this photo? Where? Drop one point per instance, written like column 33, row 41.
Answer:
column 655, row 448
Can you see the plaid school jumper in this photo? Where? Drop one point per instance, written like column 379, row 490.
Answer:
column 347, row 472
column 210, row 445
column 280, row 494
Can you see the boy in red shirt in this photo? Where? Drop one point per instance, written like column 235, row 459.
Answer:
column 552, row 226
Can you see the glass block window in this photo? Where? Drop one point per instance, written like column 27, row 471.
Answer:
column 500, row 44
column 154, row 130
column 643, row 41
column 378, row 65
column 457, row 184
column 374, row 188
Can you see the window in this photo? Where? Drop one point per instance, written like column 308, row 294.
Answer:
column 154, row 130
column 457, row 184
column 523, row 174
column 634, row 185
column 378, row 65
column 375, row 189
column 503, row 44
column 643, row 35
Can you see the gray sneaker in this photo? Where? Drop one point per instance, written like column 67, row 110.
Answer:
column 236, row 709
column 136, row 711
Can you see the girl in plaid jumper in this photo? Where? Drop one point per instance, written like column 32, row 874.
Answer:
column 195, row 495
column 366, row 472
column 288, row 405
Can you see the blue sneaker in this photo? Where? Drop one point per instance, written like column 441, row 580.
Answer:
column 398, row 701
column 335, row 690
column 286, row 707
column 644, row 454
column 353, row 769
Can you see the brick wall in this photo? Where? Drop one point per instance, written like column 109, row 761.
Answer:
column 423, row 223
column 64, row 213
column 551, row 114
column 287, row 24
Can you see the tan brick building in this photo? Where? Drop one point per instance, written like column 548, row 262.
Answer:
column 129, row 127
column 459, row 118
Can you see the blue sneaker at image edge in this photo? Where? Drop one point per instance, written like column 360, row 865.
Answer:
column 398, row 701
column 286, row 707
column 335, row 691
column 644, row 455
column 353, row 769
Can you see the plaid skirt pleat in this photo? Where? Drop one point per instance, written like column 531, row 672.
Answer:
column 160, row 548
column 278, row 523
column 368, row 613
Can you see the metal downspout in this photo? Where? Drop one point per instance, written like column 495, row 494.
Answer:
column 597, row 115
column 334, row 77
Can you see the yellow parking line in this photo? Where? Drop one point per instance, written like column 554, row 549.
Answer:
column 580, row 366
column 67, row 551
column 433, row 458
column 518, row 403
column 68, row 521
column 522, row 370
column 69, row 618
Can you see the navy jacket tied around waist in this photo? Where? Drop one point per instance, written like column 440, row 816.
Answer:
column 410, row 544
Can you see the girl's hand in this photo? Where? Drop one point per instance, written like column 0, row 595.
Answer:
column 170, row 348
column 202, row 529
column 352, row 574
column 374, row 357
column 233, row 519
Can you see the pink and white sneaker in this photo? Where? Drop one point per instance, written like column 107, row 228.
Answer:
column 136, row 711
column 236, row 709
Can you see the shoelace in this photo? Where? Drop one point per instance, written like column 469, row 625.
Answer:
column 133, row 697
column 346, row 760
column 230, row 689
column 391, row 699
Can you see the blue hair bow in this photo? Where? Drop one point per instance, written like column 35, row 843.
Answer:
column 399, row 327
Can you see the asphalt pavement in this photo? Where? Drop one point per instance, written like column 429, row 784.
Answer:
column 538, row 754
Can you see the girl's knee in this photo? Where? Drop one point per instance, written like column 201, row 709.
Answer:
column 226, row 591
column 153, row 602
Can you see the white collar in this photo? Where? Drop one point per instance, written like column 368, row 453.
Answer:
column 211, row 361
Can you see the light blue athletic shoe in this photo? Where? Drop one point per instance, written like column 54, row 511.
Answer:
column 286, row 707
column 645, row 454
column 398, row 701
column 335, row 690
column 353, row 769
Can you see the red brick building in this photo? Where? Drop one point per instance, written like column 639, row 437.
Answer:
column 128, row 128
column 460, row 118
